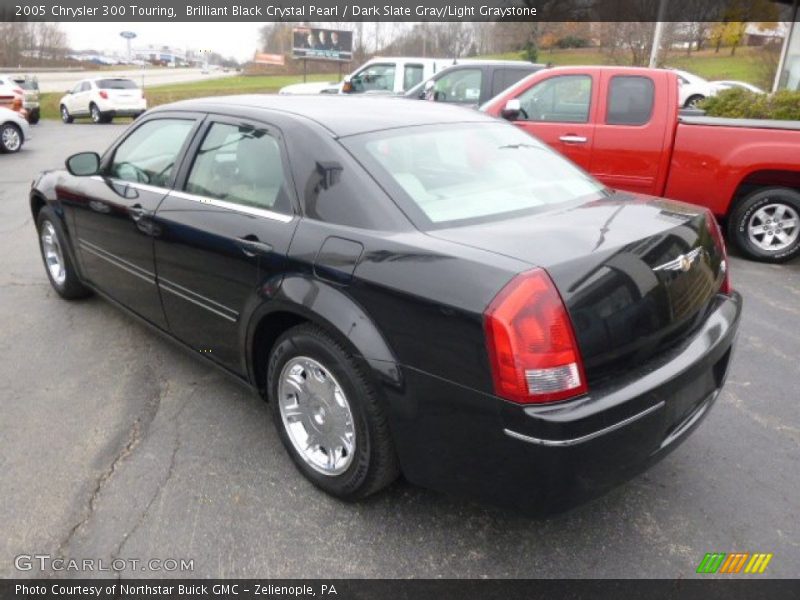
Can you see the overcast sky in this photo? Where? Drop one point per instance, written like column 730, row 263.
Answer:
column 229, row 39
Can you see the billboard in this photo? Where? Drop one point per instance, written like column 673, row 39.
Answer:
column 322, row 44
column 263, row 58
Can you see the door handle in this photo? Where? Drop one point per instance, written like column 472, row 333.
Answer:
column 573, row 139
column 137, row 211
column 252, row 246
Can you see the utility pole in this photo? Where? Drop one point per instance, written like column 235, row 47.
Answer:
column 659, row 31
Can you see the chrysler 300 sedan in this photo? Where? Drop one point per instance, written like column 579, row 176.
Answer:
column 414, row 288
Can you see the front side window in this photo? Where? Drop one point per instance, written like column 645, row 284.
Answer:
column 78, row 87
column 240, row 164
column 148, row 155
column 412, row 75
column 562, row 99
column 630, row 100
column 443, row 174
column 374, row 78
column 462, row 85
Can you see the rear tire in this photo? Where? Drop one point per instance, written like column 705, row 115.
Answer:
column 765, row 225
column 57, row 263
column 65, row 116
column 34, row 116
column 317, row 388
column 95, row 114
column 693, row 101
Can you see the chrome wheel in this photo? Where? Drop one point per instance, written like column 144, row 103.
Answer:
column 53, row 255
column 12, row 139
column 774, row 227
column 64, row 114
column 316, row 416
column 95, row 114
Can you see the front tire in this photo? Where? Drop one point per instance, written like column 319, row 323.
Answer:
column 328, row 416
column 765, row 225
column 11, row 138
column 65, row 116
column 57, row 263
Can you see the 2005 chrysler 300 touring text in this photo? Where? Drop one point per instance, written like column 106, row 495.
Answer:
column 415, row 288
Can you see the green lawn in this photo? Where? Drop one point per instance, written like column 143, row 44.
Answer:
column 163, row 94
column 746, row 65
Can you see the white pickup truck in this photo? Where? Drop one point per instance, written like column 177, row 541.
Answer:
column 394, row 75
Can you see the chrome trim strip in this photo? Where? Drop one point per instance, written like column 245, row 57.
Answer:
column 167, row 288
column 200, row 297
column 116, row 263
column 587, row 437
column 144, row 187
column 248, row 210
column 113, row 256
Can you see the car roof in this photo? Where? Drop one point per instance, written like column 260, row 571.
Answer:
column 340, row 115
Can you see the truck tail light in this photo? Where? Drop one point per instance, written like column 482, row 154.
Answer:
column 531, row 344
column 716, row 235
column 104, row 94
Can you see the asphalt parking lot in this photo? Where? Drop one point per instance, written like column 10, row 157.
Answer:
column 114, row 443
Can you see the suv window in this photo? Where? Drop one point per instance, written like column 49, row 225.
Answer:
column 505, row 78
column 412, row 75
column 116, row 84
column 560, row 99
column 86, row 86
column 374, row 77
column 78, row 87
column 630, row 100
column 240, row 164
column 148, row 155
column 460, row 85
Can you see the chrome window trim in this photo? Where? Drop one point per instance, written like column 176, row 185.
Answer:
column 232, row 206
column 587, row 437
column 144, row 187
column 118, row 262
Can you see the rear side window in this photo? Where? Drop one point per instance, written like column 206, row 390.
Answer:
column 412, row 75
column 630, row 100
column 116, row 84
column 240, row 164
column 86, row 86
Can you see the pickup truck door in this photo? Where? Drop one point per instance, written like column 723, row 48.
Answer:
column 632, row 130
column 559, row 111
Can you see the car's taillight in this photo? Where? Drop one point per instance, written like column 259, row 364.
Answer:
column 716, row 235
column 532, row 348
column 19, row 91
column 104, row 94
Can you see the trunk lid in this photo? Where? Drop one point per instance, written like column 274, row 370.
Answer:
column 637, row 274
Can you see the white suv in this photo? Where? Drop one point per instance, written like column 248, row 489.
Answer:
column 103, row 99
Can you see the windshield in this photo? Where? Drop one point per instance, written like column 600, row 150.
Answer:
column 449, row 173
column 116, row 84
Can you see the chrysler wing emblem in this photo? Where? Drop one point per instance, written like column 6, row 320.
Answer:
column 683, row 263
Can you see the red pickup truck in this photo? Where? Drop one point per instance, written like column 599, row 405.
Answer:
column 623, row 126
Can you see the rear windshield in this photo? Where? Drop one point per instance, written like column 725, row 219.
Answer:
column 447, row 174
column 27, row 84
column 116, row 84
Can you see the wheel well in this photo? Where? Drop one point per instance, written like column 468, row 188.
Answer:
column 762, row 179
column 268, row 330
column 37, row 203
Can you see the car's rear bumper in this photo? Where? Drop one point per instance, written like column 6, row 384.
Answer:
column 546, row 458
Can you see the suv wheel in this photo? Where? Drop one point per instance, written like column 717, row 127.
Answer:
column 65, row 116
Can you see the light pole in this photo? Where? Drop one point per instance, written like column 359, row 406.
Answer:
column 662, row 12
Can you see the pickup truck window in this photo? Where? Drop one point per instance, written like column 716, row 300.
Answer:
column 461, row 85
column 412, row 75
column 560, row 99
column 630, row 100
column 505, row 78
column 378, row 77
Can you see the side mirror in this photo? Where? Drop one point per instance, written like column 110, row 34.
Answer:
column 512, row 110
column 83, row 164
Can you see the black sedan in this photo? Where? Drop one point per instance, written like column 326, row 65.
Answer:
column 415, row 289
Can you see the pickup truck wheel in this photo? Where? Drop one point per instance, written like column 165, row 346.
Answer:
column 766, row 225
column 327, row 414
column 57, row 263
